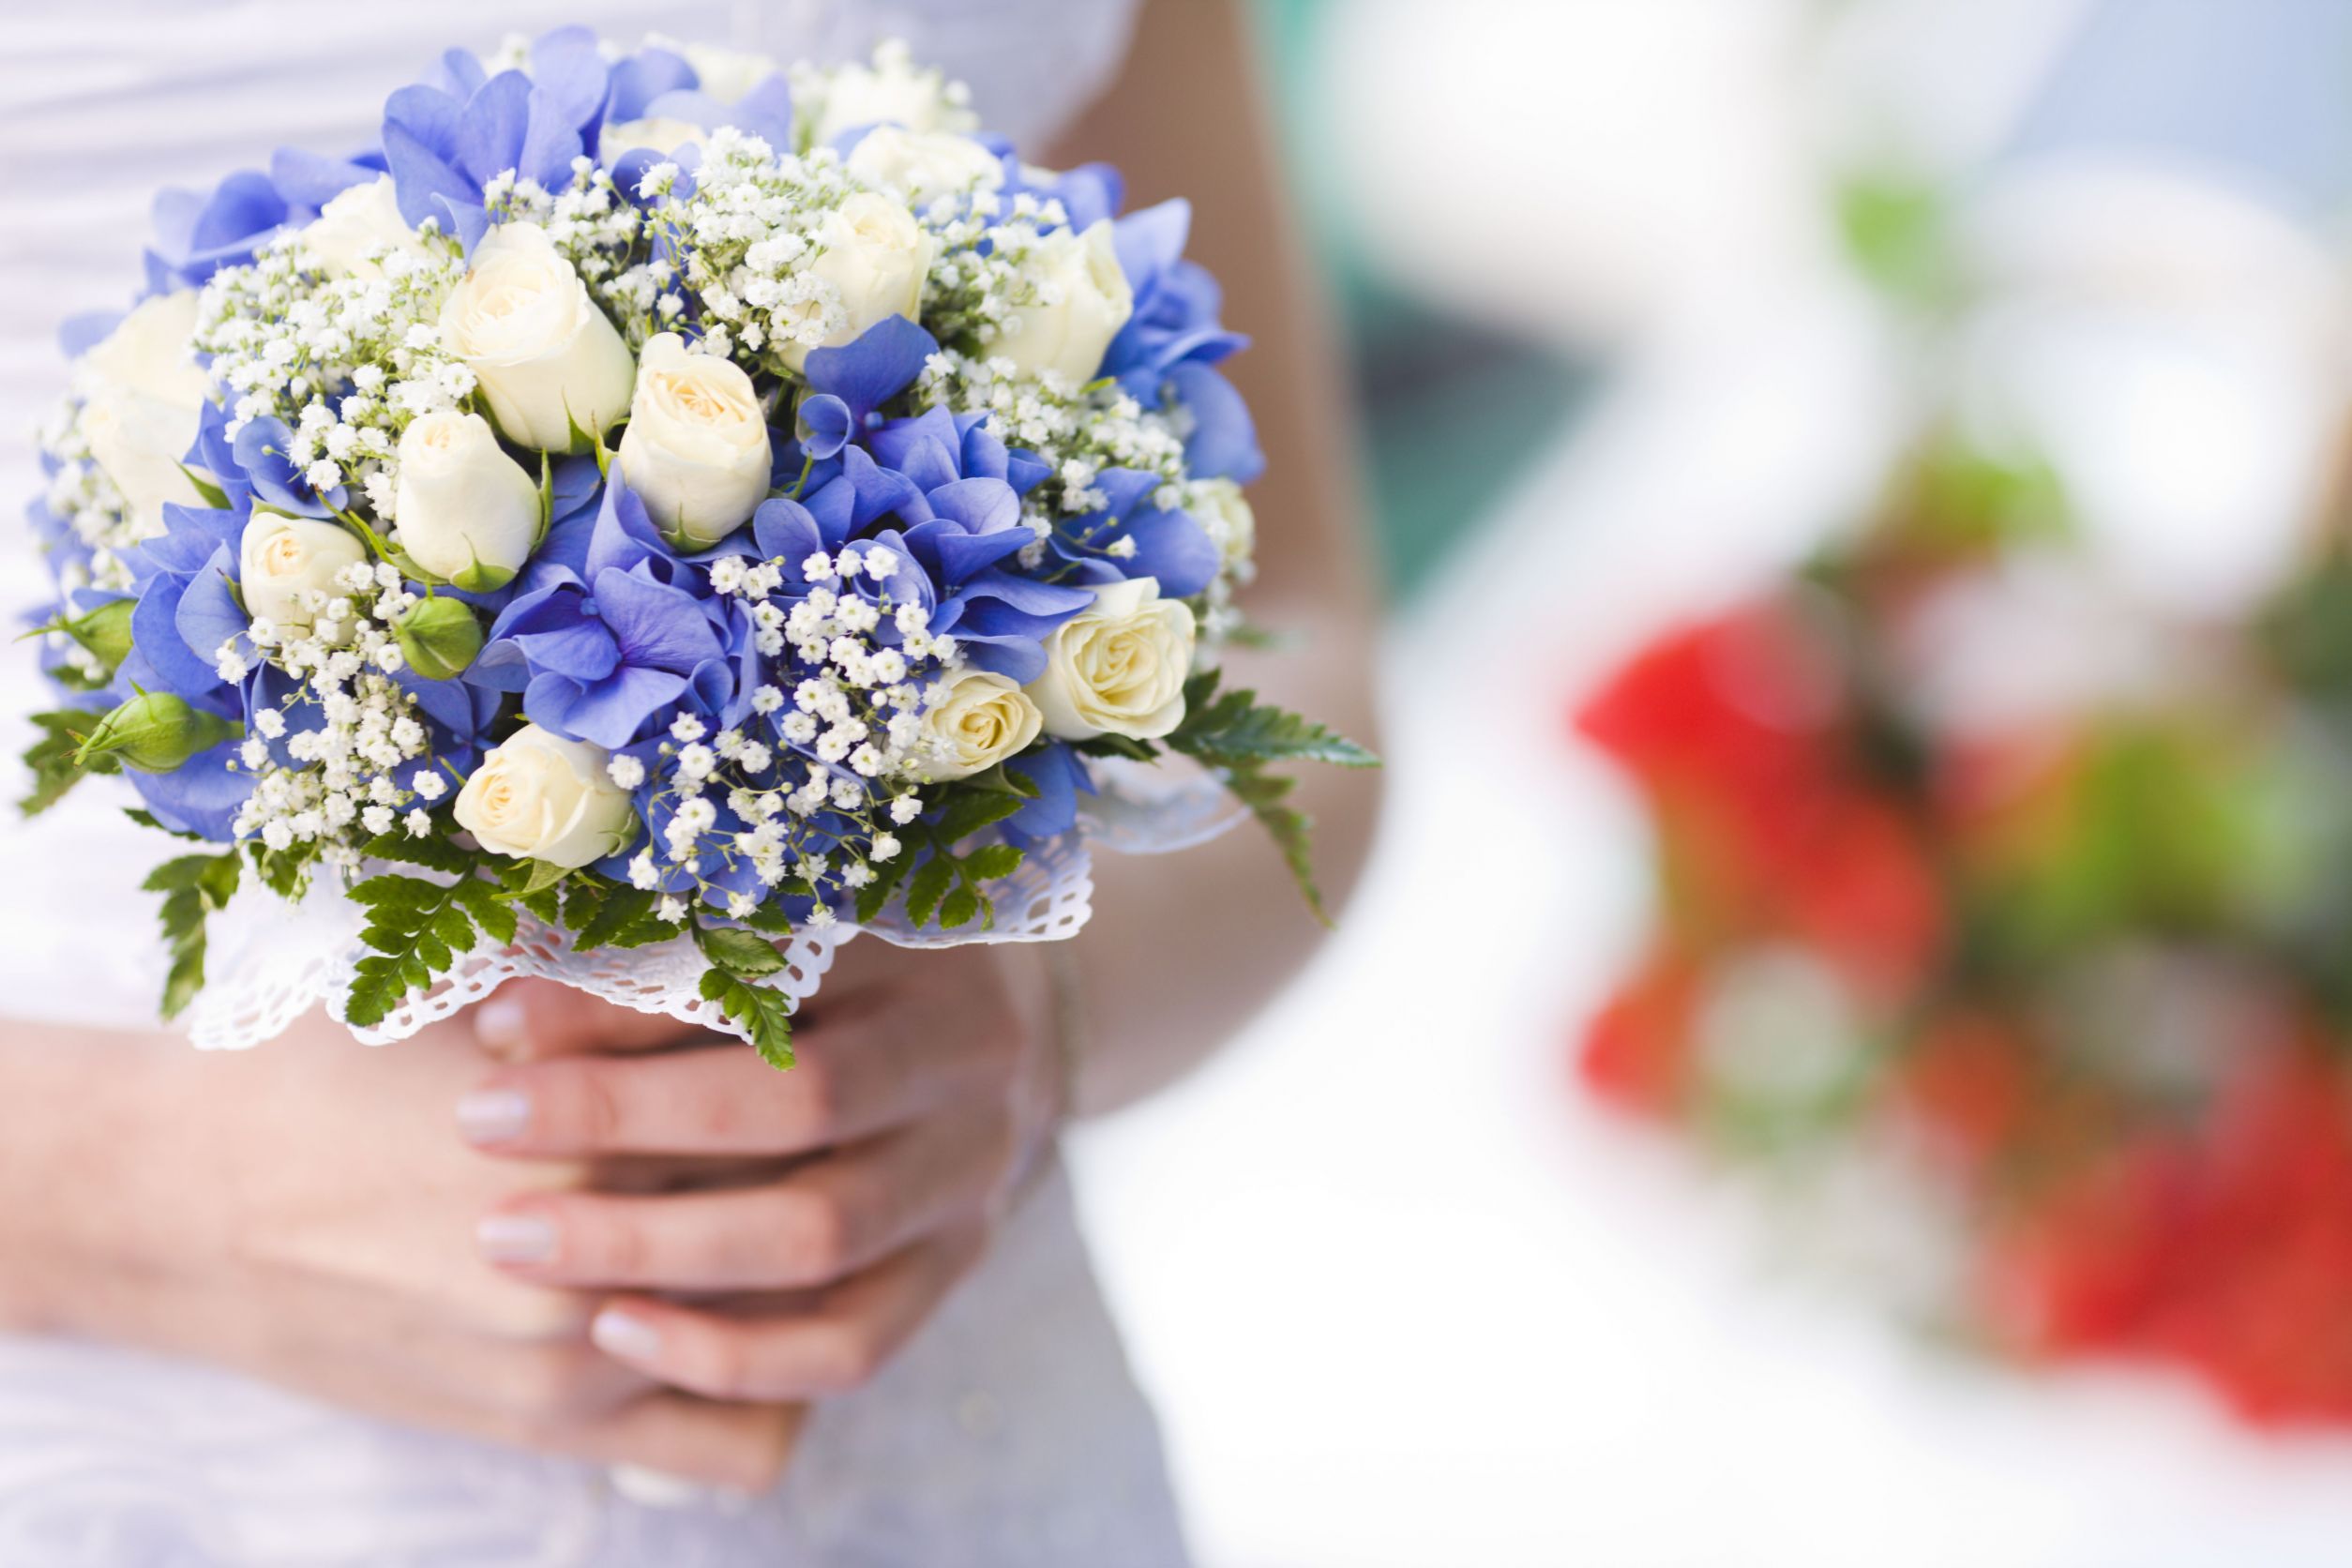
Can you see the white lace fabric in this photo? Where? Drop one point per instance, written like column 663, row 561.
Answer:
column 273, row 960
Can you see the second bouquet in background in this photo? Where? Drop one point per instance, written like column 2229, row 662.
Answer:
column 652, row 516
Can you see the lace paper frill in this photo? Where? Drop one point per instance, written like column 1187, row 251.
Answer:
column 271, row 961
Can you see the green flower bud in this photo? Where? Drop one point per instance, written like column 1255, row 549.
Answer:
column 155, row 733
column 438, row 638
column 104, row 632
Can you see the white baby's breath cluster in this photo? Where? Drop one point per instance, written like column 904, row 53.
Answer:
column 86, row 502
column 750, row 234
column 986, row 267
column 346, row 362
column 821, row 775
column 340, row 789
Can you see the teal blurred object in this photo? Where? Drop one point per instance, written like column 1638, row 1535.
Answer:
column 1453, row 411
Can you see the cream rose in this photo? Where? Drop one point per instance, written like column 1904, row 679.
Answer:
column 922, row 166
column 975, row 719
column 547, row 357
column 142, row 392
column 876, row 258
column 355, row 227
column 1119, row 667
column 467, row 512
column 539, row 796
column 696, row 451
column 282, row 560
column 658, row 132
column 1085, row 299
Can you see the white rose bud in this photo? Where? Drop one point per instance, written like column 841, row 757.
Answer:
column 548, row 359
column 467, row 512
column 659, row 132
column 539, row 796
column 1231, row 524
column 283, row 559
column 975, row 719
column 1084, row 300
column 877, row 258
column 142, row 392
column 357, row 226
column 696, row 451
column 1118, row 667
column 922, row 166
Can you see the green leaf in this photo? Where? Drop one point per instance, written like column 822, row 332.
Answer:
column 55, row 759
column 493, row 914
column 285, row 872
column 618, row 910
column 1234, row 733
column 966, row 811
column 535, row 886
column 961, row 907
column 875, row 895
column 742, row 954
column 214, row 496
column 1266, row 795
column 991, row 860
column 433, row 850
column 1118, row 746
column 418, row 927
column 195, row 886
column 1235, row 729
column 929, row 885
column 764, row 1014
column 771, row 919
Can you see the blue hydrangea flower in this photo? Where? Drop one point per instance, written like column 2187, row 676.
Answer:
column 1169, row 348
column 612, row 650
column 444, row 142
column 198, row 232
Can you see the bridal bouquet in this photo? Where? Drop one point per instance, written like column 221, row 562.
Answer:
column 656, row 506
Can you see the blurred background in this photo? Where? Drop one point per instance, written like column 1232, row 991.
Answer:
column 1841, row 1059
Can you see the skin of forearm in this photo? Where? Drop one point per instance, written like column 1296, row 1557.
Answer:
column 66, row 1096
column 1183, row 949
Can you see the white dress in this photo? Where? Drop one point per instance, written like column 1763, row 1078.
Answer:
column 1010, row 1433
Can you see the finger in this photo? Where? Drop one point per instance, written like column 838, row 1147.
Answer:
column 532, row 1019
column 854, row 1330
column 821, row 1223
column 852, row 1078
column 564, row 1400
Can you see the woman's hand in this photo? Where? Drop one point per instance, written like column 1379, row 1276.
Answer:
column 302, row 1213
column 869, row 1174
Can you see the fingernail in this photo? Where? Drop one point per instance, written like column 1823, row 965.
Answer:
column 495, row 1115
column 500, row 1023
column 515, row 1238
column 617, row 1333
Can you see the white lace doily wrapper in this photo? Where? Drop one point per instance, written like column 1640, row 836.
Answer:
column 271, row 960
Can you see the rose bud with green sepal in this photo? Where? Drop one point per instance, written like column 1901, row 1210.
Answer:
column 156, row 733
column 438, row 638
